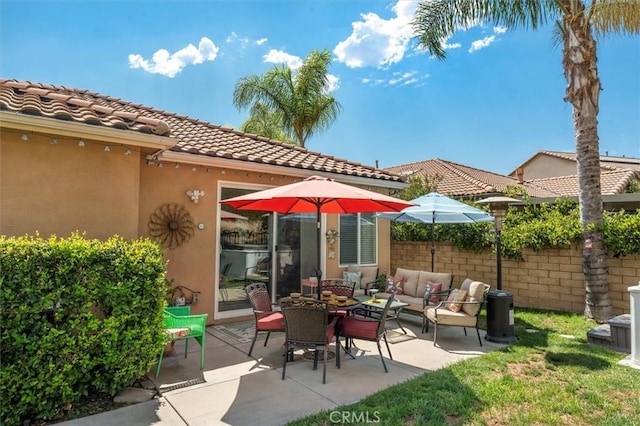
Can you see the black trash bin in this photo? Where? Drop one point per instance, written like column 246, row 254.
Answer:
column 500, row 322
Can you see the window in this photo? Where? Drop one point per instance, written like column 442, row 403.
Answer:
column 358, row 245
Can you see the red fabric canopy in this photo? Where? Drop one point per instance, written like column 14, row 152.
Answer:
column 317, row 194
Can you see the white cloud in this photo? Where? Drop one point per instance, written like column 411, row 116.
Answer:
column 333, row 83
column 234, row 38
column 279, row 57
column 378, row 42
column 499, row 30
column 398, row 79
column 169, row 65
column 481, row 44
column 262, row 41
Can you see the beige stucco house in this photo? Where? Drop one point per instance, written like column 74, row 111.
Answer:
column 72, row 160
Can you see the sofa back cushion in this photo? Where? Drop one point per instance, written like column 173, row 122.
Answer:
column 368, row 273
column 475, row 293
column 410, row 285
column 435, row 277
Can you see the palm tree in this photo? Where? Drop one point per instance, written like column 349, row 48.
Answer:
column 301, row 102
column 437, row 20
column 265, row 123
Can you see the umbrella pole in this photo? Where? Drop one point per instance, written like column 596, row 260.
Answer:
column 433, row 239
column 319, row 258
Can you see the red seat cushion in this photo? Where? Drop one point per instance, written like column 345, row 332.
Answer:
column 330, row 333
column 274, row 321
column 358, row 328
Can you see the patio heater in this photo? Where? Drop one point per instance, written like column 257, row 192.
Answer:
column 500, row 321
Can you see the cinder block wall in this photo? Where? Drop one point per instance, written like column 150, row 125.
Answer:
column 551, row 279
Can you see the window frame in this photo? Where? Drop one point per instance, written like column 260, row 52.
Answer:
column 359, row 240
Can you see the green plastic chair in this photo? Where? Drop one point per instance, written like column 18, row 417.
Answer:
column 180, row 325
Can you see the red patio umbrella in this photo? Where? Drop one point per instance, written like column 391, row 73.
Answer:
column 320, row 195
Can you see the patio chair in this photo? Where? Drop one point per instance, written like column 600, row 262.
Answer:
column 266, row 318
column 180, row 325
column 222, row 283
column 307, row 326
column 339, row 287
column 368, row 329
column 466, row 316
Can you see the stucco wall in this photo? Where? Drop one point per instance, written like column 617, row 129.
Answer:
column 60, row 188
column 551, row 279
column 544, row 166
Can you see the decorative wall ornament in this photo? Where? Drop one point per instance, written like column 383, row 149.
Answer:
column 332, row 236
column 171, row 225
column 195, row 195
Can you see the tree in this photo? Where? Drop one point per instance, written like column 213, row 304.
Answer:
column 302, row 102
column 265, row 123
column 577, row 24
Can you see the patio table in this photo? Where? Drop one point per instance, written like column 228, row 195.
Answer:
column 376, row 306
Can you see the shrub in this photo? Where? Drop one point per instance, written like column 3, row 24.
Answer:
column 78, row 316
column 533, row 226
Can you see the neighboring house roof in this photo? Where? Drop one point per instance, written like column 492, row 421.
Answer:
column 460, row 180
column 612, row 182
column 606, row 162
column 192, row 136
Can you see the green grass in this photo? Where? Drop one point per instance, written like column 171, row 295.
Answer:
column 550, row 376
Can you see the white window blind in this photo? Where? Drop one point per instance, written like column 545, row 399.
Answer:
column 358, row 239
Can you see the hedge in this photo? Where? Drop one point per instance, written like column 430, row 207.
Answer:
column 78, row 317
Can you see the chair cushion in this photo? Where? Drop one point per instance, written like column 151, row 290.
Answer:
column 274, row 321
column 410, row 281
column 176, row 333
column 453, row 299
column 359, row 328
column 447, row 317
column 355, row 277
column 475, row 293
column 436, row 277
column 331, row 331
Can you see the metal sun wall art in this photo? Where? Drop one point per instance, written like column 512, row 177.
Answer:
column 171, row 225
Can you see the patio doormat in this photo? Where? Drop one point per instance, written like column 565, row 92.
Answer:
column 241, row 331
column 395, row 336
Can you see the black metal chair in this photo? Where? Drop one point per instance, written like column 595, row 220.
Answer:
column 368, row 329
column 306, row 325
column 267, row 319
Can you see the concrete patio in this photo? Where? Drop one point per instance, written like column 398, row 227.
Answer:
column 235, row 389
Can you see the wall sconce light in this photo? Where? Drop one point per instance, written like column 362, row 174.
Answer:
column 106, row 148
column 81, row 143
column 195, row 195
column 127, row 152
column 24, row 137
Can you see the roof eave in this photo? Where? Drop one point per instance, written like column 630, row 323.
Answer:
column 202, row 160
column 46, row 125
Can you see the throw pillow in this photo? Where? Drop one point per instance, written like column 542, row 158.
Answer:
column 453, row 302
column 434, row 288
column 355, row 277
column 395, row 284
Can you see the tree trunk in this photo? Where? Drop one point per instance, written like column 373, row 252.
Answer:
column 583, row 89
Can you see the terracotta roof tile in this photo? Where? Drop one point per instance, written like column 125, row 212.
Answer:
column 606, row 162
column 460, row 180
column 612, row 182
column 191, row 135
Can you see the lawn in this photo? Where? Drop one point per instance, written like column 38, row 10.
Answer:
column 550, row 376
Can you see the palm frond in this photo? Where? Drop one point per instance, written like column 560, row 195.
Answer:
column 615, row 17
column 437, row 20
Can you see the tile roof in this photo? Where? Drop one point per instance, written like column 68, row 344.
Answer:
column 612, row 182
column 191, row 135
column 460, row 180
column 606, row 162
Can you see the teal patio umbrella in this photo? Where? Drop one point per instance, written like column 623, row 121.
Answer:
column 435, row 208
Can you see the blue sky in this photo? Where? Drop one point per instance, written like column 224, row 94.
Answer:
column 494, row 102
